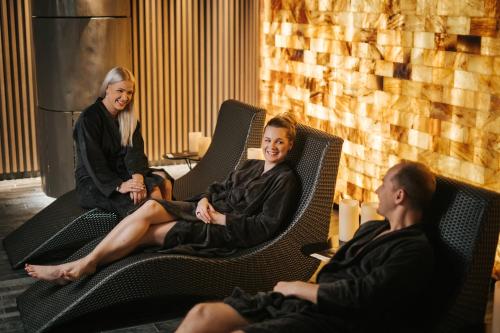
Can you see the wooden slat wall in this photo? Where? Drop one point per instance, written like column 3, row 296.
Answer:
column 18, row 154
column 189, row 56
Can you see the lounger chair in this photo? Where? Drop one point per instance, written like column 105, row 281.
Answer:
column 131, row 284
column 466, row 221
column 63, row 226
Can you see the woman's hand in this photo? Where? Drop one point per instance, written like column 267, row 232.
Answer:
column 216, row 217
column 138, row 197
column 131, row 185
column 202, row 210
column 300, row 289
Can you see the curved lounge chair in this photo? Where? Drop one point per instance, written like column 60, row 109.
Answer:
column 143, row 277
column 63, row 226
column 466, row 222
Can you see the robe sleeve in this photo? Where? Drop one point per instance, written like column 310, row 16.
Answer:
column 279, row 205
column 404, row 273
column 135, row 159
column 88, row 138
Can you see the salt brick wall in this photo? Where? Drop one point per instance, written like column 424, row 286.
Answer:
column 417, row 80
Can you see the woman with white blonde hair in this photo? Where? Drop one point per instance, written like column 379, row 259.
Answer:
column 112, row 170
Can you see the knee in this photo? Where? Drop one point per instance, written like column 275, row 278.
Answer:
column 201, row 313
column 149, row 208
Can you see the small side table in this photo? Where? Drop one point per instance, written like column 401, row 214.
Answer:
column 187, row 156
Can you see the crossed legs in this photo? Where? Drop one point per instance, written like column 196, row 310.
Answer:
column 146, row 226
column 212, row 317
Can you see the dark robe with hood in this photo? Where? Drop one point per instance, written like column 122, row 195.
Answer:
column 370, row 285
column 102, row 163
column 256, row 204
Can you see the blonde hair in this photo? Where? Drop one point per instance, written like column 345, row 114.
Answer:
column 284, row 120
column 126, row 118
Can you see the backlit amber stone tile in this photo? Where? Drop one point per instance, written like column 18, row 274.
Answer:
column 434, row 23
column 411, row 88
column 457, row 8
column 446, row 42
column 485, row 158
column 466, row 80
column 470, row 44
column 440, row 145
column 490, row 46
column 480, row 64
column 434, row 127
column 441, row 111
column 432, row 92
column 427, row 7
column 394, row 54
column 389, row 37
column 414, row 23
column 464, row 152
column 483, row 26
column 461, row 61
column 482, row 101
column 443, row 76
column 473, row 172
column 402, row 71
column 397, row 21
column 384, row 68
column 494, row 103
column 421, row 73
column 459, row 25
column 367, row 66
column 424, row 40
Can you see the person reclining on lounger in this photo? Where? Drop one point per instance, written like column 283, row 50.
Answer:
column 248, row 208
column 112, row 170
column 372, row 284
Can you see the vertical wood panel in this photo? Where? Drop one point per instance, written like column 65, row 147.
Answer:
column 188, row 57
column 17, row 98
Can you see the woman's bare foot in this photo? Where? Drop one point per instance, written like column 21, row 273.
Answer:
column 46, row 273
column 78, row 269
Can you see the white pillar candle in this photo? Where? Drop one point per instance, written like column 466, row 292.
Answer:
column 348, row 219
column 369, row 212
column 193, row 141
column 203, row 144
column 495, row 322
column 255, row 154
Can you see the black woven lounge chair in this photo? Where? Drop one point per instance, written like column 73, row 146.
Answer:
column 141, row 279
column 63, row 226
column 465, row 236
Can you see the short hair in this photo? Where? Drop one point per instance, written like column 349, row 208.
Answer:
column 418, row 181
column 284, row 120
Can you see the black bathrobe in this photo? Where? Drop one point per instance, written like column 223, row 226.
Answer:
column 368, row 286
column 256, row 205
column 102, row 163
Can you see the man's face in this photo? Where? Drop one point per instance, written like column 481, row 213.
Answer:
column 387, row 193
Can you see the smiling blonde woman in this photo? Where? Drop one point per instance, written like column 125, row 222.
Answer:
column 112, row 170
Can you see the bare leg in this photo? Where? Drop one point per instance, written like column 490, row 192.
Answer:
column 156, row 193
column 166, row 187
column 130, row 233
column 212, row 317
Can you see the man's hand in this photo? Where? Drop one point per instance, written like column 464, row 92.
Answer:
column 303, row 290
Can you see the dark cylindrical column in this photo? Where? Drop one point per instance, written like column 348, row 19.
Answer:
column 76, row 43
